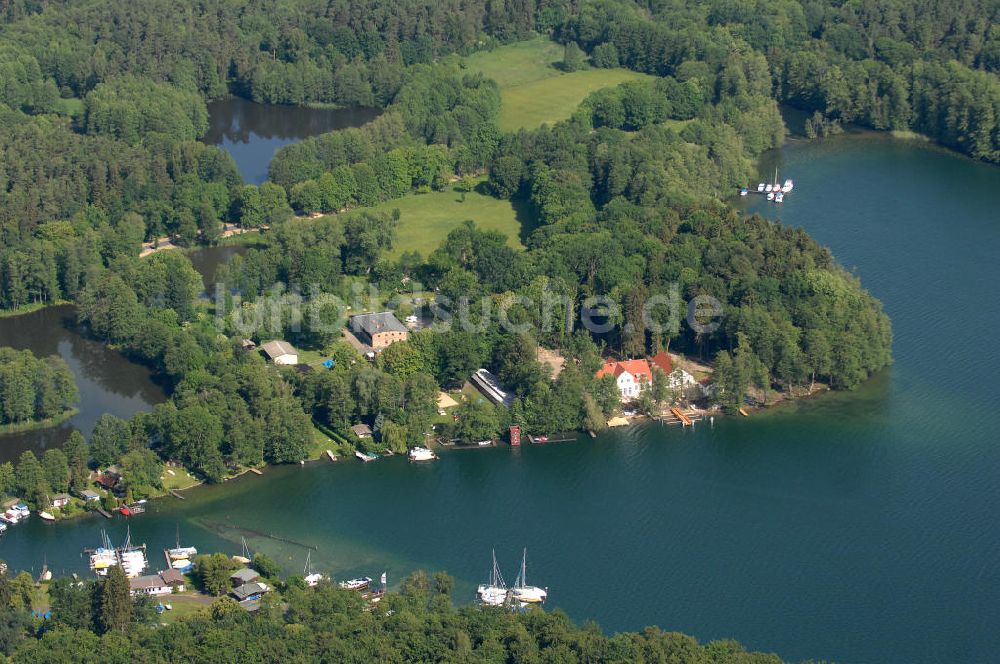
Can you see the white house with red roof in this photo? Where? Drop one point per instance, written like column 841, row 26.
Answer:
column 634, row 376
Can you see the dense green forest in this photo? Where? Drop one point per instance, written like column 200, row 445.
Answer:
column 34, row 389
column 101, row 105
column 96, row 621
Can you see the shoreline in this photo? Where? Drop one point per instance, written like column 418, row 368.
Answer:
column 33, row 425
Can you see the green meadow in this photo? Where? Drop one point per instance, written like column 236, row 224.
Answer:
column 534, row 90
column 426, row 219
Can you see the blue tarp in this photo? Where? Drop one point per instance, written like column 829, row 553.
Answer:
column 328, row 363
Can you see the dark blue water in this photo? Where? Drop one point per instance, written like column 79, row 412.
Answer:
column 856, row 527
column 252, row 133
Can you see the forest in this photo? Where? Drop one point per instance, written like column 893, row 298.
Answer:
column 97, row 621
column 34, row 389
column 102, row 103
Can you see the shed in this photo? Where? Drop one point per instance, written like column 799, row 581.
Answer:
column 362, row 430
column 89, row 495
column 243, row 576
column 280, row 352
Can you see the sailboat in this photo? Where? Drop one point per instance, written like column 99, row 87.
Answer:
column 493, row 593
column 312, row 578
column 179, row 552
column 245, row 557
column 524, row 593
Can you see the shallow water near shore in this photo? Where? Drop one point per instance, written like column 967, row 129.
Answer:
column 856, row 527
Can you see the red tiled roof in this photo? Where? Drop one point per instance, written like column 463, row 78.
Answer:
column 638, row 368
column 662, row 360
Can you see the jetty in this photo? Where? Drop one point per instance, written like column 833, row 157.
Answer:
column 365, row 457
column 330, row 455
column 175, row 494
column 680, row 415
column 256, row 471
column 103, row 512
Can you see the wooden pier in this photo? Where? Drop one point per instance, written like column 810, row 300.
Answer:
column 256, row 471
column 103, row 512
column 175, row 494
column 680, row 415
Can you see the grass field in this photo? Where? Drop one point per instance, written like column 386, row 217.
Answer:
column 534, row 90
column 426, row 219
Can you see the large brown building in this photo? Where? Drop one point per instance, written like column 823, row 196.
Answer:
column 378, row 330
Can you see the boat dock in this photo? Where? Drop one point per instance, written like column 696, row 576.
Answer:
column 678, row 416
column 330, row 455
column 256, row 471
column 103, row 512
column 175, row 494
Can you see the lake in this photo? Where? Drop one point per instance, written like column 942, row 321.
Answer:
column 857, row 527
column 253, row 132
column 108, row 382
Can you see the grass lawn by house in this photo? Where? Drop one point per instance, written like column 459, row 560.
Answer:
column 426, row 219
column 534, row 90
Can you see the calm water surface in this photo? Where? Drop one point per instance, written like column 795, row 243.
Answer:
column 857, row 527
column 108, row 382
column 252, row 133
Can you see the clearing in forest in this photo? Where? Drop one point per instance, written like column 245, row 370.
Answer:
column 534, row 90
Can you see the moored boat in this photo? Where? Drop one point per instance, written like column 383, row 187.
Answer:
column 244, row 558
column 522, row 592
column 760, row 188
column 778, row 197
column 365, row 457
column 787, row 187
column 493, row 593
column 312, row 579
column 743, row 191
column 360, row 583
column 422, row 454
column 182, row 552
column 770, row 196
column 46, row 516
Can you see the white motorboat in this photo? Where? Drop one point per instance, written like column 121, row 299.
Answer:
column 495, row 592
column 770, row 196
column 787, row 187
column 422, row 454
column 768, row 187
column 778, row 197
column 524, row 593
column 356, row 584
column 760, row 188
column 46, row 516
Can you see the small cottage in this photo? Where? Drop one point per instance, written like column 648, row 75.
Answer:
column 89, row 496
column 60, row 500
column 242, row 576
column 249, row 591
column 281, row 352
column 362, row 431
